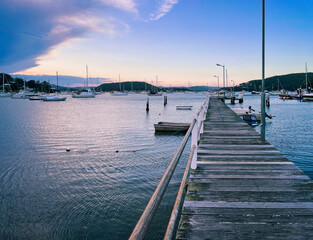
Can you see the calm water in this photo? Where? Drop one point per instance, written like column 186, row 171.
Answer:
column 93, row 191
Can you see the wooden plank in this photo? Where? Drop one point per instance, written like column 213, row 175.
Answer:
column 243, row 188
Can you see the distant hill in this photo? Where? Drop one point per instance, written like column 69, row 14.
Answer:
column 135, row 86
column 289, row 82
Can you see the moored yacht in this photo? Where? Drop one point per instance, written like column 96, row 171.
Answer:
column 3, row 93
column 85, row 93
column 307, row 97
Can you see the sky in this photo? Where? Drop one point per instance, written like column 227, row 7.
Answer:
column 180, row 41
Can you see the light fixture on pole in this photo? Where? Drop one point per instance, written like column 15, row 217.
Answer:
column 218, row 81
column 223, row 66
column 263, row 75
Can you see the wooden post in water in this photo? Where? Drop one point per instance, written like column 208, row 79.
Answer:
column 267, row 99
column 147, row 106
column 165, row 100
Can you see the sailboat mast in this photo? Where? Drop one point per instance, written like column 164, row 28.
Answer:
column 119, row 82
column 306, row 76
column 57, row 82
column 86, row 75
column 2, row 82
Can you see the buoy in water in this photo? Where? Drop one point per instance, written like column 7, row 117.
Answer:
column 68, row 149
column 116, row 151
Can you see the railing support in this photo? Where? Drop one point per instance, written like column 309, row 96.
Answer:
column 194, row 143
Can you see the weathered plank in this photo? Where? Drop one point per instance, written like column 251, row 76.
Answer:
column 243, row 188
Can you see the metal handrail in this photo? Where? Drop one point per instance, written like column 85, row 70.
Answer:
column 148, row 214
column 175, row 212
column 145, row 219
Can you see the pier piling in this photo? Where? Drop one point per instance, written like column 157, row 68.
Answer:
column 147, row 106
column 165, row 100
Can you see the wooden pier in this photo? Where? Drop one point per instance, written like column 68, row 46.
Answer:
column 243, row 188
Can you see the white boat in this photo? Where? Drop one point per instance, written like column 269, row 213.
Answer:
column 117, row 93
column 53, row 98
column 308, row 97
column 23, row 94
column 85, row 93
column 183, row 107
column 228, row 95
column 4, row 94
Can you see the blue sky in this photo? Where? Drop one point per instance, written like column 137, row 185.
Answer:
column 179, row 40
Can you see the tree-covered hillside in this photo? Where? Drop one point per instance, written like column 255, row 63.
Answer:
column 289, row 82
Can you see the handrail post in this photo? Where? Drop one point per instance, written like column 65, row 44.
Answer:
column 194, row 142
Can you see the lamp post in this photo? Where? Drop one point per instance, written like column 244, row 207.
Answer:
column 263, row 74
column 220, row 65
column 218, row 81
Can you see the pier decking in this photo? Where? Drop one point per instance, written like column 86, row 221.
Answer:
column 243, row 188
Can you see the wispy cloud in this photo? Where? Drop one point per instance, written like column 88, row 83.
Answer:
column 164, row 7
column 125, row 5
column 32, row 28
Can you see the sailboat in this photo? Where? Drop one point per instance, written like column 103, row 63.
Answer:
column 23, row 94
column 155, row 93
column 308, row 96
column 4, row 94
column 119, row 93
column 54, row 98
column 87, row 92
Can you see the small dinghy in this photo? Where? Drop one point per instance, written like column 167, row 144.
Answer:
column 183, row 107
column 171, row 127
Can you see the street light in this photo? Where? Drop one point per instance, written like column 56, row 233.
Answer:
column 263, row 74
column 218, row 81
column 220, row 65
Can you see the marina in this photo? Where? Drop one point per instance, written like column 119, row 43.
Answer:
column 193, row 122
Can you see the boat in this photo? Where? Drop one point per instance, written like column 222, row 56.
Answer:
column 255, row 93
column 307, row 97
column 247, row 111
column 285, row 96
column 53, row 98
column 221, row 93
column 3, row 93
column 154, row 94
column 250, row 119
column 183, row 107
column 117, row 93
column 85, row 93
column 34, row 98
column 23, row 94
column 120, row 92
column 171, row 127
